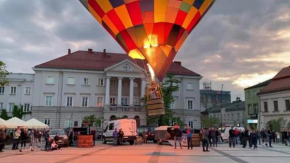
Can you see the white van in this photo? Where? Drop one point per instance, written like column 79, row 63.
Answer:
column 127, row 125
column 225, row 134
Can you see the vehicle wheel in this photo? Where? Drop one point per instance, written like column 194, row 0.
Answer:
column 131, row 142
column 154, row 141
column 104, row 140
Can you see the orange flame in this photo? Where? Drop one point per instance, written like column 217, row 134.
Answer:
column 152, row 74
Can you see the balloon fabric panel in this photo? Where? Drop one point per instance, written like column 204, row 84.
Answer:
column 149, row 29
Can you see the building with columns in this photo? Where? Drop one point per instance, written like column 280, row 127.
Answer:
column 106, row 85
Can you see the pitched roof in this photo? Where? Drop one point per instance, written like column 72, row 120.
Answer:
column 281, row 82
column 263, row 84
column 98, row 61
column 235, row 106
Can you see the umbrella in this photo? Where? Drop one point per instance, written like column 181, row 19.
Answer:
column 15, row 122
column 34, row 123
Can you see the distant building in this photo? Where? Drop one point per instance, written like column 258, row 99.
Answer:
column 231, row 114
column 18, row 92
column 107, row 85
column 252, row 104
column 275, row 99
column 210, row 98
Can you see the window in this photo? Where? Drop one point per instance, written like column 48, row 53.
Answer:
column 27, row 90
column 125, row 83
column 190, row 104
column 112, row 101
column 47, row 122
column 255, row 109
column 111, row 126
column 287, row 102
column 249, row 94
column 114, row 82
column 2, row 90
column 275, row 105
column 249, row 109
column 67, row 123
column 189, row 86
column 11, row 107
column 124, row 101
column 1, row 106
column 136, row 102
column 265, row 107
column 26, row 107
column 69, row 101
column 76, row 123
column 232, row 116
column 85, row 101
column 13, row 90
column 49, row 80
column 238, row 116
column 173, row 104
column 101, row 82
column 70, row 81
column 100, row 101
column 225, row 117
column 228, row 117
column 86, row 81
column 135, row 84
column 48, row 100
column 190, row 124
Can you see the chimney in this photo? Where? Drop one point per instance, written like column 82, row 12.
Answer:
column 178, row 62
column 69, row 51
column 90, row 50
column 105, row 52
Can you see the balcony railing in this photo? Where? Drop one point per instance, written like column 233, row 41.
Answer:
column 126, row 108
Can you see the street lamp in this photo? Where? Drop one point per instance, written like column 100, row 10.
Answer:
column 222, row 107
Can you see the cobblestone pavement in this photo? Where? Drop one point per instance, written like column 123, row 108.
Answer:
column 150, row 153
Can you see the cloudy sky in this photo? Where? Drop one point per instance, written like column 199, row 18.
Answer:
column 239, row 43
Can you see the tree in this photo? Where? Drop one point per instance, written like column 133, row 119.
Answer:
column 4, row 115
column 93, row 120
column 207, row 122
column 276, row 124
column 3, row 74
column 168, row 87
column 17, row 112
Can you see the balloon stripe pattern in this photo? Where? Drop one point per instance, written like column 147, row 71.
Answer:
column 149, row 29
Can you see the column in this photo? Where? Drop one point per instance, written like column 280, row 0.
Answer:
column 119, row 91
column 143, row 85
column 107, row 98
column 131, row 91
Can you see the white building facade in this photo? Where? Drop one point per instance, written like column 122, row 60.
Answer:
column 106, row 85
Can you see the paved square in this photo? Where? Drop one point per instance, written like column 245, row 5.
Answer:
column 150, row 153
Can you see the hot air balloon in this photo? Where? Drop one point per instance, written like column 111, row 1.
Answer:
column 150, row 30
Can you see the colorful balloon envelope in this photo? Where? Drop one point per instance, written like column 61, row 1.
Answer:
column 153, row 30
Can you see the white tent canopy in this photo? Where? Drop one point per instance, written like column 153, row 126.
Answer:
column 3, row 123
column 34, row 123
column 15, row 122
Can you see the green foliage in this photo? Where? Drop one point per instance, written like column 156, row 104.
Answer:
column 4, row 115
column 17, row 111
column 207, row 122
column 168, row 87
column 276, row 124
column 3, row 74
column 93, row 120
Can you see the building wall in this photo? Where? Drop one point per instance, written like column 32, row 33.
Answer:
column 212, row 98
column 271, row 114
column 226, row 118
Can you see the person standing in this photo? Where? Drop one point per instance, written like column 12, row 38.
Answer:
column 232, row 137
column 278, row 137
column 121, row 136
column 47, row 137
column 71, row 137
column 250, row 139
column 36, row 136
column 2, row 139
column 204, row 136
column 93, row 132
column 209, row 136
column 217, row 133
column 266, row 139
column 189, row 133
column 144, row 136
column 258, row 137
column 284, row 137
column 16, row 137
column 23, row 139
column 177, row 136
column 254, row 139
column 270, row 137
column 115, row 136
column 245, row 137
column 214, row 137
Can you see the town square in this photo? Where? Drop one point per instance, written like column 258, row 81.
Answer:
column 153, row 81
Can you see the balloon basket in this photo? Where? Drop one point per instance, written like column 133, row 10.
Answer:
column 155, row 102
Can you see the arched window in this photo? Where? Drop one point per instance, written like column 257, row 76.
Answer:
column 137, row 118
column 113, row 117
